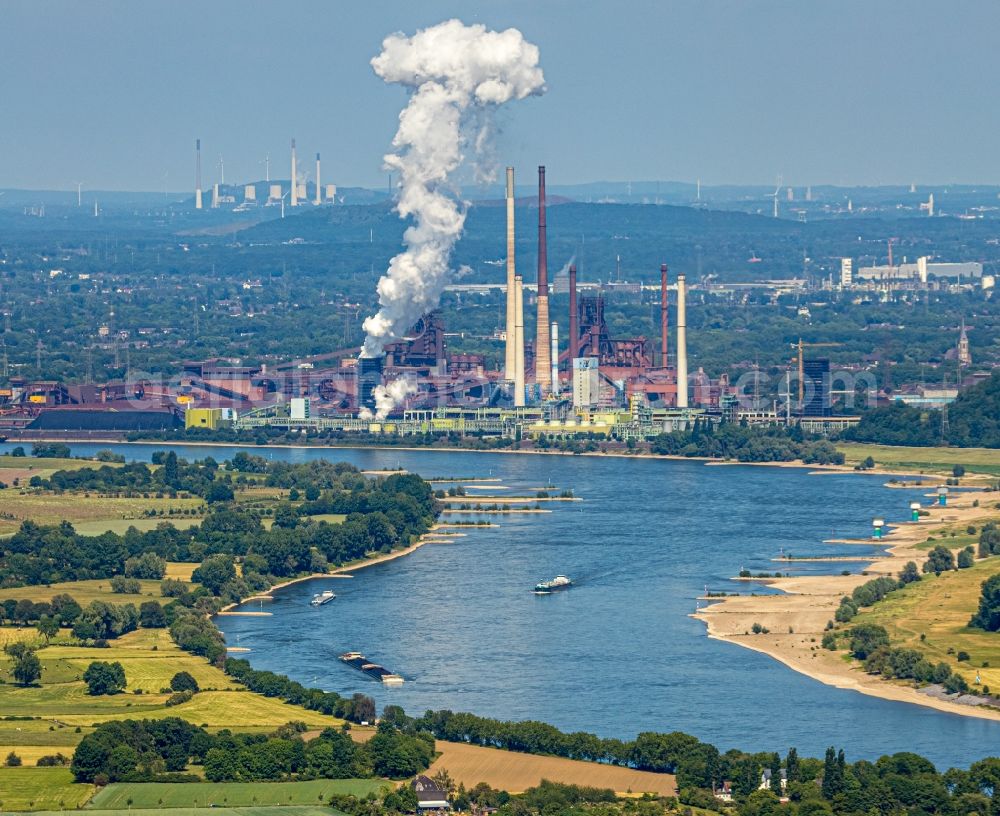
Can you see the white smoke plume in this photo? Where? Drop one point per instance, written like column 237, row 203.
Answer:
column 388, row 397
column 564, row 269
column 457, row 75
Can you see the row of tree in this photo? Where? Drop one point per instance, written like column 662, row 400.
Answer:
column 746, row 443
column 152, row 750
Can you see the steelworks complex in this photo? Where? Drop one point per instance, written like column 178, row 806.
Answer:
column 575, row 380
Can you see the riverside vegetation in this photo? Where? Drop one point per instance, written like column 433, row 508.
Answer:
column 233, row 723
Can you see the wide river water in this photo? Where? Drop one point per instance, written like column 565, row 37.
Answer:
column 617, row 654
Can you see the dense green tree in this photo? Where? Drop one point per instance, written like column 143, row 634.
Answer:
column 27, row 668
column 214, row 572
column 48, row 627
column 103, row 677
column 988, row 615
column 939, row 560
column 183, row 681
column 151, row 615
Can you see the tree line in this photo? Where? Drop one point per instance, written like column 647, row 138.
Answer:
column 162, row 750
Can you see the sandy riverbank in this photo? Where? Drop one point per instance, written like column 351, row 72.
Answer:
column 797, row 619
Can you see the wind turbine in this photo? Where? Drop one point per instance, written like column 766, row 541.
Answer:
column 283, row 204
column 774, row 195
column 79, row 194
column 267, row 167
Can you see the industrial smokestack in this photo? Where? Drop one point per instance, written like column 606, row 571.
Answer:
column 294, row 198
column 510, row 360
column 663, row 315
column 197, row 174
column 518, row 342
column 574, row 327
column 555, row 359
column 543, row 364
column 682, row 354
column 319, row 196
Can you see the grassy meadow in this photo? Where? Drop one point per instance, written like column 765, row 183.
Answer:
column 932, row 616
column 140, row 795
column 41, row 789
column 929, row 460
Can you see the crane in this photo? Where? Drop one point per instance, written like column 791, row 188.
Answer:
column 802, row 376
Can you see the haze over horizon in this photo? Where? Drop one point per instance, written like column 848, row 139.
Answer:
column 841, row 93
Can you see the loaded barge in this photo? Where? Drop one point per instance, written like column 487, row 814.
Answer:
column 373, row 670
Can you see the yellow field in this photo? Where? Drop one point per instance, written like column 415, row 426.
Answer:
column 179, row 570
column 514, row 772
column 939, row 608
column 30, row 754
column 940, row 460
column 222, row 709
column 145, row 668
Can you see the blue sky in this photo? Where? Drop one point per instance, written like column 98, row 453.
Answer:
column 113, row 92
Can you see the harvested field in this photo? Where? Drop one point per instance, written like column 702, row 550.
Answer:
column 514, row 772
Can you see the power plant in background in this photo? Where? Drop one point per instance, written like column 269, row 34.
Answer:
column 296, row 192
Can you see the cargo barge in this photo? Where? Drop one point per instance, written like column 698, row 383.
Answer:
column 373, row 670
column 557, row 584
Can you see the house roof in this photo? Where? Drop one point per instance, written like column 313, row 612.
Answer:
column 428, row 790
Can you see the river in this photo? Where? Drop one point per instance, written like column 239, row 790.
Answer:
column 617, row 654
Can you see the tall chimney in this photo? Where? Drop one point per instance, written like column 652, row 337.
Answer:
column 510, row 360
column 197, row 174
column 555, row 359
column 319, row 197
column 543, row 363
column 682, row 352
column 663, row 315
column 293, row 200
column 518, row 342
column 574, row 327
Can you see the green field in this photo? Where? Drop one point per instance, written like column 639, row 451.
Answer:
column 40, row 789
column 277, row 810
column 939, row 608
column 150, row 659
column 233, row 794
column 90, row 511
column 143, row 525
column 940, row 460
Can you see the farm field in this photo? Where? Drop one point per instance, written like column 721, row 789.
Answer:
column 81, row 509
column 942, row 460
column 938, row 608
column 514, row 772
column 143, row 525
column 232, row 794
column 274, row 810
column 41, row 789
column 98, row 589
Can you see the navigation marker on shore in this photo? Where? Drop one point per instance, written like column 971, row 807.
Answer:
column 877, row 525
column 914, row 511
column 943, row 496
